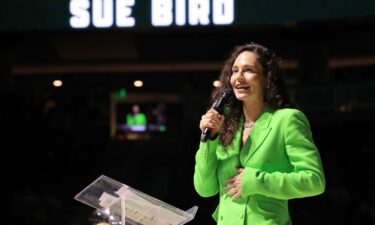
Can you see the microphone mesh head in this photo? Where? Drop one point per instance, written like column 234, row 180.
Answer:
column 227, row 93
column 222, row 100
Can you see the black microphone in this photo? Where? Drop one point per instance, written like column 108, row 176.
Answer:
column 218, row 105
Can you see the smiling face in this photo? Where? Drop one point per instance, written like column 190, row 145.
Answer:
column 247, row 78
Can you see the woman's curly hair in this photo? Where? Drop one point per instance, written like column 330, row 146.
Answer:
column 274, row 90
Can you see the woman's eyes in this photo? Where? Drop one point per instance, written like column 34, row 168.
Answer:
column 250, row 70
column 245, row 71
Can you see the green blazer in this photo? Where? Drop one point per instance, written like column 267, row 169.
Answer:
column 280, row 162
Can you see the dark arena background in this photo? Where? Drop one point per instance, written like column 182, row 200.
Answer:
column 70, row 71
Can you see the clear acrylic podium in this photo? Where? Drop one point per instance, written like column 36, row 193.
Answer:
column 126, row 205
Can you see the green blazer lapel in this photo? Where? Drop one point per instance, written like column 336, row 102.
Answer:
column 260, row 131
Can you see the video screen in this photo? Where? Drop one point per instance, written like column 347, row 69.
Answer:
column 139, row 117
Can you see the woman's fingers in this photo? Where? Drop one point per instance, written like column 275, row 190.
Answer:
column 212, row 120
column 233, row 186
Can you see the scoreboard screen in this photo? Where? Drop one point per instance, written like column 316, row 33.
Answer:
column 152, row 14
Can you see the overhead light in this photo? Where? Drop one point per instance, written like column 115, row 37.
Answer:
column 57, row 83
column 138, row 83
column 216, row 83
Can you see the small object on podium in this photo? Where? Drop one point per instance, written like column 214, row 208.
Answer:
column 125, row 205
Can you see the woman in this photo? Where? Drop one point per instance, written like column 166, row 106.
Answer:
column 260, row 154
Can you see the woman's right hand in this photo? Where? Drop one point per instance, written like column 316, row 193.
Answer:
column 211, row 120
